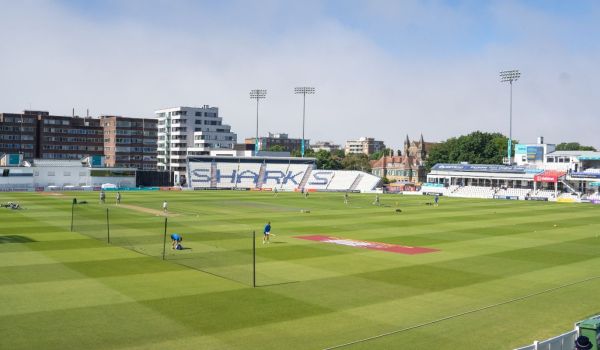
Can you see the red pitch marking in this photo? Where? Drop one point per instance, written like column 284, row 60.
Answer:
column 394, row 248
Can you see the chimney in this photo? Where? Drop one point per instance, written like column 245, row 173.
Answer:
column 540, row 140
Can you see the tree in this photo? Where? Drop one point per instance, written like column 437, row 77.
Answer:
column 276, row 148
column 309, row 152
column 358, row 161
column 476, row 148
column 377, row 155
column 338, row 153
column 573, row 146
column 326, row 160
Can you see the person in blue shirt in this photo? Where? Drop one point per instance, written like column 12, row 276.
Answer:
column 436, row 199
column 176, row 241
column 266, row 233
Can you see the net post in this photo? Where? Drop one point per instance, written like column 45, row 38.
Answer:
column 164, row 240
column 107, row 228
column 72, row 213
column 253, row 259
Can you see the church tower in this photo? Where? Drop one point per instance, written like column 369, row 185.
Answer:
column 406, row 147
column 422, row 151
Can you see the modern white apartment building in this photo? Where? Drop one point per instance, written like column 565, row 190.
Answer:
column 184, row 131
column 366, row 145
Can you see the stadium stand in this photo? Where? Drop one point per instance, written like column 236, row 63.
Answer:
column 302, row 169
column 226, row 174
column 319, row 180
column 287, row 174
column 273, row 174
column 473, row 192
column 207, row 171
column 594, row 196
column 366, row 183
column 543, row 194
column 513, row 192
column 248, row 174
column 342, row 180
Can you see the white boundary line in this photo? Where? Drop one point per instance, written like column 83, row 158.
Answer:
column 460, row 314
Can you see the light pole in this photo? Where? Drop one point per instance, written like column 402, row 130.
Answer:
column 257, row 95
column 303, row 91
column 510, row 76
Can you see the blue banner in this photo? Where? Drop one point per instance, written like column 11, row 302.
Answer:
column 521, row 149
column 480, row 168
column 588, row 175
column 535, row 153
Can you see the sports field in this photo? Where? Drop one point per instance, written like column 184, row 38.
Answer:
column 504, row 273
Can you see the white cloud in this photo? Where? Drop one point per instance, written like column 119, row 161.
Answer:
column 55, row 58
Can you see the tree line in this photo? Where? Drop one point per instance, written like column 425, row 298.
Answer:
column 475, row 148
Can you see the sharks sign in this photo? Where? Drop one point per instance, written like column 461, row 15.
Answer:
column 201, row 176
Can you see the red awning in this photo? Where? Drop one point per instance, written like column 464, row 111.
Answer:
column 549, row 176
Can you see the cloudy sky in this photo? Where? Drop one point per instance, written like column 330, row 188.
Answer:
column 381, row 68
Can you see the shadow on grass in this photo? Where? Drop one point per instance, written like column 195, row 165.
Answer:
column 276, row 284
column 15, row 239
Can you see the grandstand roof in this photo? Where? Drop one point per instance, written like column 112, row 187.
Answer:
column 57, row 162
column 252, row 159
column 574, row 153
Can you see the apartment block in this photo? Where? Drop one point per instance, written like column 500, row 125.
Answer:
column 37, row 134
column 130, row 142
column 325, row 146
column 60, row 137
column 18, row 133
column 366, row 145
column 184, row 131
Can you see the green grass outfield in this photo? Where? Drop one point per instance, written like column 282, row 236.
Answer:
column 507, row 272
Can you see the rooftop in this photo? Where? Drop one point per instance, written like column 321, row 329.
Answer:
column 574, row 153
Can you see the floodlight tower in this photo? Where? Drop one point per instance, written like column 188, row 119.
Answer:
column 510, row 76
column 257, row 94
column 303, row 91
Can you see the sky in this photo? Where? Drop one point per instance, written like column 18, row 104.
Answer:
column 382, row 69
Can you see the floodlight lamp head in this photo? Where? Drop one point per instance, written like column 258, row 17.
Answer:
column 509, row 75
column 258, row 94
column 304, row 90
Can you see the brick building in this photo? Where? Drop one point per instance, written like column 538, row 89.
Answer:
column 130, row 142
column 278, row 139
column 18, row 133
column 125, row 142
column 60, row 137
column 37, row 134
column 409, row 167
